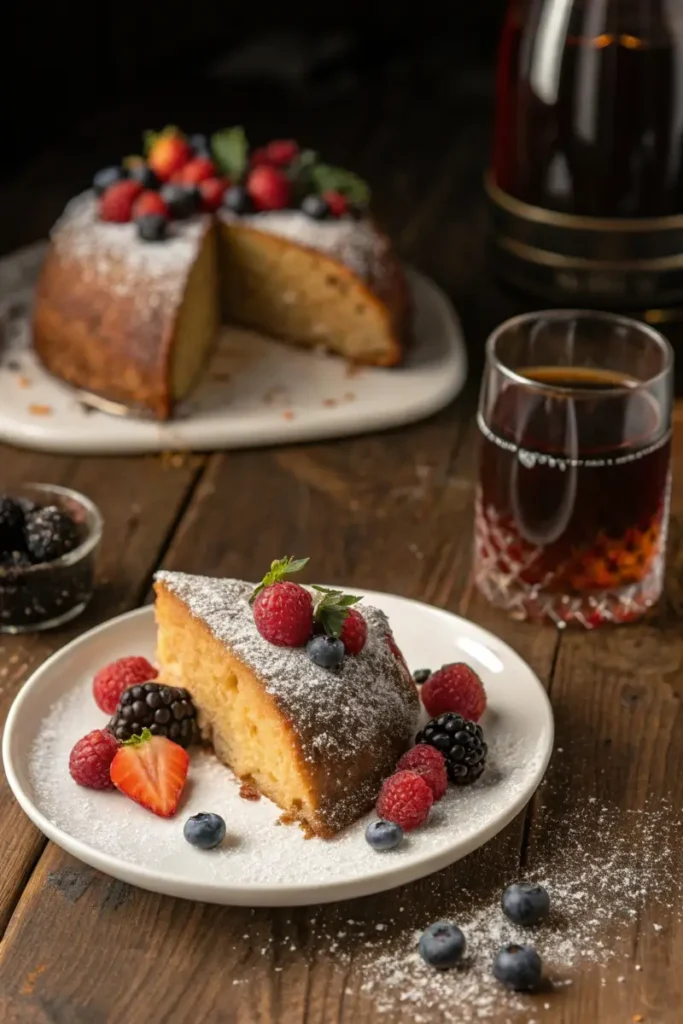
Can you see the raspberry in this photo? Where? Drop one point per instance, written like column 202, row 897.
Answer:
column 112, row 680
column 269, row 188
column 283, row 614
column 149, row 202
column 199, row 169
column 260, row 158
column 90, row 759
column 405, row 799
column 338, row 204
column 354, row 632
column 396, row 651
column 168, row 152
column 455, row 687
column 117, row 202
column 429, row 763
column 211, row 191
column 281, row 152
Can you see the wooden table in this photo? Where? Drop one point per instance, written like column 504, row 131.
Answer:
column 391, row 512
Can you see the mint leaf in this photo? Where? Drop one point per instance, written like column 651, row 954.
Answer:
column 279, row 569
column 230, row 151
column 332, row 609
column 335, row 179
column 301, row 167
column 150, row 138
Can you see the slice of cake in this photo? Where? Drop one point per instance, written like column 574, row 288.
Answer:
column 134, row 282
column 316, row 741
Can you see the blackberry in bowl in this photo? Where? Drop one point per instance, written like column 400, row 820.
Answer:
column 49, row 537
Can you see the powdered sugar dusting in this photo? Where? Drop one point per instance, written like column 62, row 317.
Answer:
column 336, row 714
column 356, row 243
column 112, row 254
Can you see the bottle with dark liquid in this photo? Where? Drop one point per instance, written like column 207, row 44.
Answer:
column 586, row 183
column 572, row 504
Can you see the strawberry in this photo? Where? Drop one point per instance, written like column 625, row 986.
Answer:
column 116, row 204
column 152, row 771
column 281, row 152
column 168, row 152
column 198, row 169
column 337, row 203
column 212, row 191
column 149, row 202
column 269, row 188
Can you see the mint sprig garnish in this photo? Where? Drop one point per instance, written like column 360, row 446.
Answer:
column 332, row 609
column 280, row 568
column 150, row 138
column 326, row 178
column 230, row 151
column 136, row 740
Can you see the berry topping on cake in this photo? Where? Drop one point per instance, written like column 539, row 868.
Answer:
column 442, row 945
column 384, row 835
column 182, row 201
column 204, row 830
column 281, row 152
column 91, row 758
column 461, row 743
column 518, row 968
column 116, row 204
column 269, row 188
column 315, row 207
column 259, row 158
column 526, row 904
column 11, row 525
column 50, row 534
column 237, row 200
column 325, row 651
column 430, row 764
column 337, row 203
column 396, row 651
column 151, row 770
column 283, row 614
column 199, row 168
column 405, row 799
column 212, row 191
column 149, row 202
column 332, row 611
column 167, row 152
column 152, row 227
column 455, row 687
column 111, row 681
column 199, row 144
column 106, row 177
column 354, row 632
column 421, row 675
column 140, row 171
column 164, row 710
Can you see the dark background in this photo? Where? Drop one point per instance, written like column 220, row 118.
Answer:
column 65, row 60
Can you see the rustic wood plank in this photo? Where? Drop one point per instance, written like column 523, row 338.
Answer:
column 140, row 500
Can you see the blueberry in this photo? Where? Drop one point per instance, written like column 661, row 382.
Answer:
column 182, row 202
column 151, row 227
column 525, row 904
column 238, row 200
column 204, row 830
column 518, row 967
column 325, row 651
column 421, row 675
column 200, row 144
column 442, row 945
column 106, row 177
column 145, row 175
column 383, row 835
column 315, row 207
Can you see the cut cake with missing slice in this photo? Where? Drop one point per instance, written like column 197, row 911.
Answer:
column 317, row 742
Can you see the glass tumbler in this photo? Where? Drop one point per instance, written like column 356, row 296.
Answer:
column 572, row 501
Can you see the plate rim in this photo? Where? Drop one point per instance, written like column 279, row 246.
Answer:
column 265, row 894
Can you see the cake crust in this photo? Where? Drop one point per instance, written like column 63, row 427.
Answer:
column 343, row 731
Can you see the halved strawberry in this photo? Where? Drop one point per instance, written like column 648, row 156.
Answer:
column 152, row 771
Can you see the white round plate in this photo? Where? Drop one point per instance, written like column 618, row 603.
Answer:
column 263, row 863
column 255, row 391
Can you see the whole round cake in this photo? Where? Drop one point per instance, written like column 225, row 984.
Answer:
column 142, row 268
column 316, row 725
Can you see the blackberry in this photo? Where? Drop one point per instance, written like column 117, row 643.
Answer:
column 461, row 743
column 50, row 533
column 164, row 710
column 11, row 525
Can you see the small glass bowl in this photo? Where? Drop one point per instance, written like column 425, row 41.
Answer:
column 38, row 597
